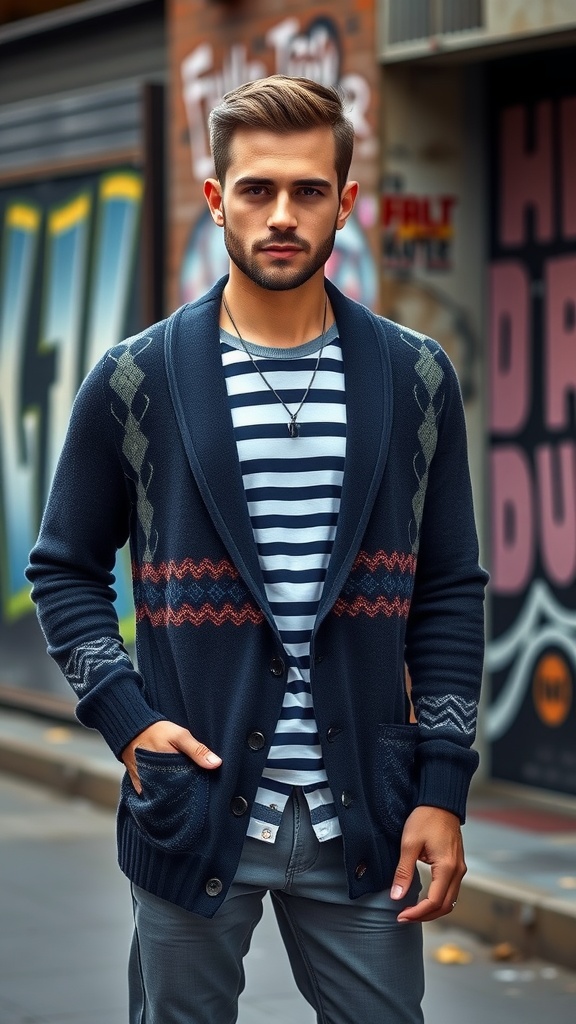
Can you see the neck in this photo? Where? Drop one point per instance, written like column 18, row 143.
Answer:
column 279, row 319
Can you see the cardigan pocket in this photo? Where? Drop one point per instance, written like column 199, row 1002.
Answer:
column 395, row 782
column 171, row 809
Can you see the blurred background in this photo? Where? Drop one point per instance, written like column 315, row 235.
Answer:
column 465, row 118
column 465, row 230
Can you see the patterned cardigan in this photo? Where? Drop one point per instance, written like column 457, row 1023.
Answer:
column 150, row 457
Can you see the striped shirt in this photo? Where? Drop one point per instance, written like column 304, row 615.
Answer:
column 293, row 488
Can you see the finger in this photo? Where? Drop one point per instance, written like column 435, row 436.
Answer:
column 135, row 780
column 166, row 736
column 429, row 906
column 130, row 766
column 197, row 751
column 426, row 910
column 403, row 876
column 440, row 898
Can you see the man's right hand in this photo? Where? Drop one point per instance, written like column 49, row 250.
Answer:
column 167, row 738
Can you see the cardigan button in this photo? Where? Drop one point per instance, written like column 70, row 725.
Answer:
column 213, row 886
column 333, row 732
column 238, row 806
column 346, row 798
column 360, row 869
column 277, row 666
column 256, row 740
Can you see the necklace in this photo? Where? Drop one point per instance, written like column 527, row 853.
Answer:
column 293, row 426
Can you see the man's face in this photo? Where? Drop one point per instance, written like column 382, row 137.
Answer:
column 280, row 206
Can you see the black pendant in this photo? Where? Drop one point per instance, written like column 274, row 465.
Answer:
column 293, row 428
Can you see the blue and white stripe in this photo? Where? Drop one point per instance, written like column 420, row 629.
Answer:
column 293, row 488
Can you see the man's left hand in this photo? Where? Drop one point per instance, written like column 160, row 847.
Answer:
column 433, row 836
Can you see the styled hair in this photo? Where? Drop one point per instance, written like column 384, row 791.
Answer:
column 281, row 104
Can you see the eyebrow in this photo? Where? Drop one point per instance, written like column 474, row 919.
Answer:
column 302, row 182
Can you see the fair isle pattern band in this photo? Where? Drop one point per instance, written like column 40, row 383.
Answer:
column 86, row 659
column 431, row 375
column 126, row 381
column 378, row 584
column 173, row 593
column 446, row 715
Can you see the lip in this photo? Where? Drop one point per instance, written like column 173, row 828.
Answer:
column 281, row 252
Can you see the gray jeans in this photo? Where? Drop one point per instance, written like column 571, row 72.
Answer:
column 352, row 961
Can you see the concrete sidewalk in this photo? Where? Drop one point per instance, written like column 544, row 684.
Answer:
column 520, row 890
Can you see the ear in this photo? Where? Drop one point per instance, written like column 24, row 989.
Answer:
column 213, row 196
column 347, row 201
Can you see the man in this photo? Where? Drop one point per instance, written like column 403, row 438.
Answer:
column 291, row 472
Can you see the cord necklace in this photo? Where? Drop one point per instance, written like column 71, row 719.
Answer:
column 293, row 425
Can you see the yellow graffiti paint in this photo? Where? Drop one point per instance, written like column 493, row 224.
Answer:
column 122, row 186
column 27, row 218
column 68, row 216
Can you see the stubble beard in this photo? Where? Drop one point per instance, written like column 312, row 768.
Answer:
column 278, row 277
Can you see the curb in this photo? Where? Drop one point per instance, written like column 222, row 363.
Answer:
column 68, row 774
column 532, row 922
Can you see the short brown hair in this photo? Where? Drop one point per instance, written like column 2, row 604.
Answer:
column 281, row 104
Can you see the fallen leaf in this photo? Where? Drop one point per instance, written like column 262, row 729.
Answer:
column 450, row 953
column 506, row 951
column 57, row 734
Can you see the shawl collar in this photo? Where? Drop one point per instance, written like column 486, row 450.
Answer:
column 198, row 391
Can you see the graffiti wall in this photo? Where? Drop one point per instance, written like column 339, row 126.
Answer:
column 216, row 47
column 430, row 269
column 68, row 290
column 531, row 721
column 430, row 274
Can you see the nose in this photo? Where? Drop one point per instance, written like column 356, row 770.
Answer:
column 282, row 216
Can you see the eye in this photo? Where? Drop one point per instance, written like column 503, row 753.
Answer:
column 255, row 190
column 310, row 191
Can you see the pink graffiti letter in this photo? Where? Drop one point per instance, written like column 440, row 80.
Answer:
column 526, row 176
column 568, row 158
column 560, row 347
column 512, row 520
column 557, row 498
column 510, row 348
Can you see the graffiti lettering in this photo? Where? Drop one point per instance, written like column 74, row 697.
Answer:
column 512, row 520
column 202, row 91
column 84, row 295
column 67, row 251
column 531, row 653
column 533, row 508
column 560, row 366
column 545, row 481
column 18, row 434
column 526, row 175
column 510, row 363
column 418, row 228
column 529, row 173
column 511, row 329
column 314, row 52
column 357, row 91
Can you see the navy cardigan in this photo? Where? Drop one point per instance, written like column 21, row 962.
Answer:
column 150, row 456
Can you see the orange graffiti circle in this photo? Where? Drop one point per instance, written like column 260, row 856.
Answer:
column 552, row 689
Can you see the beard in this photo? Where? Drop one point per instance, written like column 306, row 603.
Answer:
column 278, row 276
